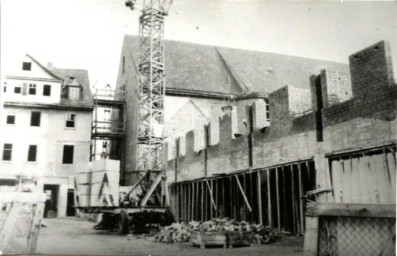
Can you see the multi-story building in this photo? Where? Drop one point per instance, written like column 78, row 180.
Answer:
column 45, row 129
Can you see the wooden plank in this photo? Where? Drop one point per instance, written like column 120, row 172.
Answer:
column 337, row 184
column 202, row 201
column 210, row 192
column 294, row 222
column 358, row 176
column 391, row 165
column 269, row 199
column 372, row 180
column 384, row 180
column 301, row 199
column 193, row 200
column 311, row 236
column 355, row 210
column 278, row 202
column 242, row 192
column 231, row 199
column 285, row 211
column 223, row 197
column 347, row 181
column 217, row 198
column 252, row 187
column 367, row 195
column 259, row 188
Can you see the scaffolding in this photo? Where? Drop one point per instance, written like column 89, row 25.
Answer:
column 112, row 129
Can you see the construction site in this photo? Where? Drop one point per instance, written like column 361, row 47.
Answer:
column 199, row 149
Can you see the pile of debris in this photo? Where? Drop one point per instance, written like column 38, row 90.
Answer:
column 180, row 232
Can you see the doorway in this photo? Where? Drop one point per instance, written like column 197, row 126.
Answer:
column 51, row 203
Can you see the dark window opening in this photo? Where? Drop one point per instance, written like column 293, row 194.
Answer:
column 32, row 89
column 35, row 119
column 10, row 119
column 47, row 90
column 5, row 89
column 27, row 66
column 7, row 152
column 17, row 89
column 32, row 153
column 68, row 151
column 70, row 120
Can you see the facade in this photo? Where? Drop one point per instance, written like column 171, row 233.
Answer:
column 45, row 130
column 341, row 151
column 201, row 79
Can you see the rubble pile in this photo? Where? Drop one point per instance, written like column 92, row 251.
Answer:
column 180, row 232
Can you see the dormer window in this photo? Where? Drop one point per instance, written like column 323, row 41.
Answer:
column 74, row 92
column 27, row 66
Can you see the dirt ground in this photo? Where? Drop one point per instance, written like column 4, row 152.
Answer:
column 76, row 236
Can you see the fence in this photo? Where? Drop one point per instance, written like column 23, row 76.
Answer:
column 349, row 229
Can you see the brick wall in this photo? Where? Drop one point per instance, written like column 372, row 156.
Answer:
column 348, row 123
column 371, row 69
column 336, row 86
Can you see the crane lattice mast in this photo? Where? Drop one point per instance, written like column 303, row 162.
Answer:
column 151, row 98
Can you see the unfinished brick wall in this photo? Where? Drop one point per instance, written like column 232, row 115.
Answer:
column 374, row 90
column 365, row 120
column 299, row 100
column 335, row 86
column 371, row 69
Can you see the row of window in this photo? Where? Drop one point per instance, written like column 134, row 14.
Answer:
column 32, row 89
column 67, row 157
column 35, row 119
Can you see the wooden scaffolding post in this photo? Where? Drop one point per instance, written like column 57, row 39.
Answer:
column 231, row 198
column 278, row 202
column 259, row 184
column 302, row 219
column 294, row 223
column 202, row 201
column 269, row 199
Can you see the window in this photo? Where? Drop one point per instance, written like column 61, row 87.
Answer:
column 7, row 152
column 5, row 88
column 67, row 154
column 74, row 93
column 17, row 89
column 70, row 118
column 10, row 119
column 47, row 90
column 32, row 89
column 27, row 66
column 35, row 118
column 32, row 153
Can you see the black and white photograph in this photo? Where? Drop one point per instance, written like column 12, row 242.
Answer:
column 198, row 127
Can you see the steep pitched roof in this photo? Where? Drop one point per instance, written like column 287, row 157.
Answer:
column 43, row 67
column 206, row 68
column 81, row 77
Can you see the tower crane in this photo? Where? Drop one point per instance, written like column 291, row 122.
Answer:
column 149, row 173
column 149, row 176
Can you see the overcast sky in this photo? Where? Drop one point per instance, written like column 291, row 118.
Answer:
column 88, row 34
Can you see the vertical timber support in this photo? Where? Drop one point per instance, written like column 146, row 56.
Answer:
column 259, row 190
column 269, row 199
